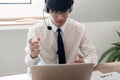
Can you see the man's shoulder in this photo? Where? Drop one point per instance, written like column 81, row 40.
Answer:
column 75, row 23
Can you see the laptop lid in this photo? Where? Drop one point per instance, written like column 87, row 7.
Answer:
column 81, row 71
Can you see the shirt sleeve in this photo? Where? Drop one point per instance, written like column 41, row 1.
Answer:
column 87, row 48
column 28, row 60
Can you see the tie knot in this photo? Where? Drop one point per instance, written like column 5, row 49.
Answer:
column 58, row 30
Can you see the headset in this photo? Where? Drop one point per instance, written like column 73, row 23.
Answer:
column 47, row 11
column 46, row 8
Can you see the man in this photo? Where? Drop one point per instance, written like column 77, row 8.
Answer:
column 45, row 47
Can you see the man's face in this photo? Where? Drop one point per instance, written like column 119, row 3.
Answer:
column 59, row 18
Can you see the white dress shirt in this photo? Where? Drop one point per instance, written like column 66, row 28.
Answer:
column 75, row 39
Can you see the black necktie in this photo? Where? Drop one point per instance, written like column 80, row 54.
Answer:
column 60, row 51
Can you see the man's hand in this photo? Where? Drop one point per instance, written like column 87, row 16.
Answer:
column 79, row 59
column 34, row 47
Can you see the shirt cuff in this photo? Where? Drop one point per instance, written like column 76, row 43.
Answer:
column 31, row 61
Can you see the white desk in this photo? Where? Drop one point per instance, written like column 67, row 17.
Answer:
column 108, row 67
column 15, row 77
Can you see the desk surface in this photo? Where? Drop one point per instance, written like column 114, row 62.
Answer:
column 104, row 68
column 15, row 77
column 108, row 67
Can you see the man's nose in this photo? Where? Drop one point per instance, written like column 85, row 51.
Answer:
column 60, row 16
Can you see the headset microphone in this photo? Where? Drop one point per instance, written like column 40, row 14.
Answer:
column 48, row 27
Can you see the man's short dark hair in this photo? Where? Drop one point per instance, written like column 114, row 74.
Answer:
column 59, row 5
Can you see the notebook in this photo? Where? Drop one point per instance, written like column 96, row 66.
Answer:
column 79, row 71
column 97, row 75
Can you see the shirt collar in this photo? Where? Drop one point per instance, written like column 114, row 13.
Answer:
column 54, row 27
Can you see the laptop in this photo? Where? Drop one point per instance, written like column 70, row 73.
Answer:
column 78, row 71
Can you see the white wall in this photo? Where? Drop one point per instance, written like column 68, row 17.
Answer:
column 103, row 34
column 12, row 43
column 96, row 10
column 22, row 10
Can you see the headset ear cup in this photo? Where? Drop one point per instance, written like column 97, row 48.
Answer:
column 72, row 2
column 47, row 9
